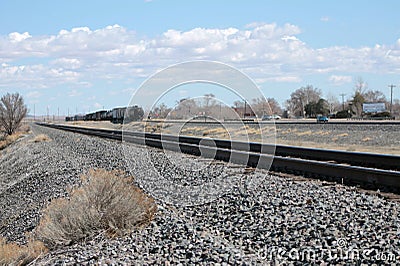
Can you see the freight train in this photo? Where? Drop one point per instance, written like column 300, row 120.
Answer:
column 116, row 115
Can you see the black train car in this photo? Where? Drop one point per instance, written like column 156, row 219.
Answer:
column 118, row 115
column 90, row 117
column 79, row 117
column 97, row 116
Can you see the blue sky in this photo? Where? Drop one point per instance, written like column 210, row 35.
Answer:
column 83, row 55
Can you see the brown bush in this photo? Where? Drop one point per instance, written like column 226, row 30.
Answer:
column 9, row 139
column 14, row 254
column 106, row 202
column 41, row 138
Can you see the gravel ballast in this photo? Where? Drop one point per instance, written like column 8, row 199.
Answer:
column 256, row 219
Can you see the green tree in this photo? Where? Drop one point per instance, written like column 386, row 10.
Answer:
column 319, row 107
column 357, row 103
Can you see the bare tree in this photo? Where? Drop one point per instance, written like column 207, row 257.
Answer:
column 374, row 96
column 333, row 103
column 302, row 97
column 209, row 99
column 262, row 106
column 12, row 111
column 360, row 86
column 275, row 106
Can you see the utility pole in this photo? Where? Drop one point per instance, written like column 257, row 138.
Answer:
column 34, row 113
column 391, row 86
column 342, row 94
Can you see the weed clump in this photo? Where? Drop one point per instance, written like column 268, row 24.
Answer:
column 14, row 254
column 41, row 138
column 7, row 140
column 106, row 202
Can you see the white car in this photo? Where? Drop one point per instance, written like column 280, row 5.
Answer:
column 270, row 117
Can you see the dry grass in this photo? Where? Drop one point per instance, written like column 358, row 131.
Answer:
column 322, row 133
column 41, row 138
column 288, row 131
column 246, row 131
column 9, row 139
column 305, row 133
column 106, row 202
column 14, row 254
column 216, row 132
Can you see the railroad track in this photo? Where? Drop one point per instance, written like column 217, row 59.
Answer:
column 369, row 171
column 280, row 122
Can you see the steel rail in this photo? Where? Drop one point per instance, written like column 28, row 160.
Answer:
column 340, row 166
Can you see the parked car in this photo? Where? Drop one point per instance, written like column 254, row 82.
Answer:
column 270, row 117
column 322, row 119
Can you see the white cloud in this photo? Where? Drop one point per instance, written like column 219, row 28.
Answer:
column 292, row 79
column 264, row 51
column 74, row 93
column 68, row 63
column 33, row 94
column 339, row 80
column 18, row 37
column 325, row 19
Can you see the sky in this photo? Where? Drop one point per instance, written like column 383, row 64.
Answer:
column 79, row 56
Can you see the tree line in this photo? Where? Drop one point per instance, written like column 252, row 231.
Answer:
column 308, row 102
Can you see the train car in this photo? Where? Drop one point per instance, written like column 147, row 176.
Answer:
column 97, row 116
column 79, row 118
column 103, row 115
column 90, row 117
column 118, row 115
column 134, row 113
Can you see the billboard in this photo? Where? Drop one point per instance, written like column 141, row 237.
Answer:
column 373, row 107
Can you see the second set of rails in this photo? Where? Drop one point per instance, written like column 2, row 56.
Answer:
column 370, row 171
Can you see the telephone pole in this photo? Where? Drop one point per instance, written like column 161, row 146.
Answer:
column 391, row 86
column 342, row 94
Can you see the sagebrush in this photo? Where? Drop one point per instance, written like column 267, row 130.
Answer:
column 14, row 254
column 41, row 138
column 106, row 202
column 9, row 139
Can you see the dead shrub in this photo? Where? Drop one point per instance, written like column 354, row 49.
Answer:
column 41, row 138
column 14, row 254
column 106, row 202
column 9, row 139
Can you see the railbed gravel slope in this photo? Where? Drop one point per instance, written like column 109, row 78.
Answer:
column 276, row 220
